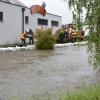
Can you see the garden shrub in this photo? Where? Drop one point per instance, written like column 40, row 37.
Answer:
column 44, row 39
column 57, row 35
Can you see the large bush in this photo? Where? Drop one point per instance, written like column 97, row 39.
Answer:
column 44, row 39
column 57, row 35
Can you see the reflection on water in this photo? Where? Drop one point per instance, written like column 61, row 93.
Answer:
column 27, row 72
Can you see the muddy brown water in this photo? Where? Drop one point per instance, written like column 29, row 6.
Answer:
column 38, row 72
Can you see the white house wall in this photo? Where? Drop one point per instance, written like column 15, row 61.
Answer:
column 11, row 26
column 30, row 24
column 49, row 17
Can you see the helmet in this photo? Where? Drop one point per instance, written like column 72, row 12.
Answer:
column 27, row 30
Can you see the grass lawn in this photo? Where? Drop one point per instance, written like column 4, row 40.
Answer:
column 91, row 93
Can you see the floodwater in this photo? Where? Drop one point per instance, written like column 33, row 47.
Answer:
column 39, row 72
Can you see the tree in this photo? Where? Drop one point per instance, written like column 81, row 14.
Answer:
column 92, row 18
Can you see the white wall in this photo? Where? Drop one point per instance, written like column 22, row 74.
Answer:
column 49, row 17
column 30, row 24
column 11, row 27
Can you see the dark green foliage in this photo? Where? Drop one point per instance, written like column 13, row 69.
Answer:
column 44, row 39
column 57, row 35
column 94, row 49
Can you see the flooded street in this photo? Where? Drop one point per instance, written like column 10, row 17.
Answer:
column 39, row 72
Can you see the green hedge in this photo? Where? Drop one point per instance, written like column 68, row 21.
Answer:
column 44, row 39
column 57, row 34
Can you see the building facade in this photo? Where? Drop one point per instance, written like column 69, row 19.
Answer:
column 16, row 18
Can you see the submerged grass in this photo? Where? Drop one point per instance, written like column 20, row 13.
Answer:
column 90, row 93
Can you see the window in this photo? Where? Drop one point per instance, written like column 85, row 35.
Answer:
column 54, row 23
column 1, row 16
column 26, row 20
column 42, row 21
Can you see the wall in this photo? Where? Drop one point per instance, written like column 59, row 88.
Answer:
column 49, row 17
column 11, row 27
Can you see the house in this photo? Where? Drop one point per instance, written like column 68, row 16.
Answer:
column 15, row 18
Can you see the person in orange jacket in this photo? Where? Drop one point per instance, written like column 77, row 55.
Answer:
column 23, row 38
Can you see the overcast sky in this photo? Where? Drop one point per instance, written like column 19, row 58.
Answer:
column 58, row 7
